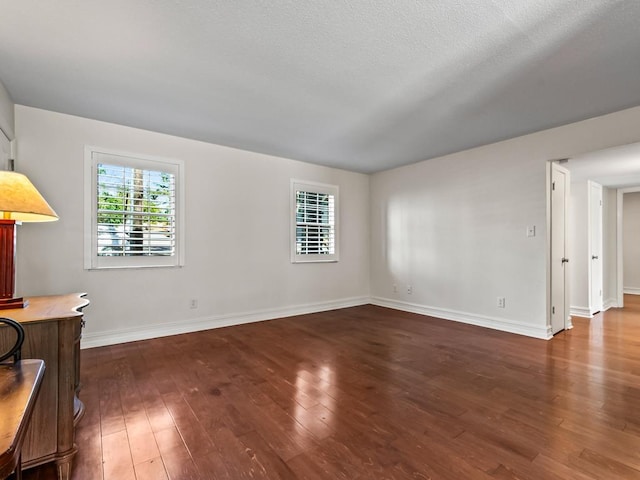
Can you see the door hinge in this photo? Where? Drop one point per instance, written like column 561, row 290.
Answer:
column 553, row 185
column 553, row 309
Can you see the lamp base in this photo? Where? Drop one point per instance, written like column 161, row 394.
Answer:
column 7, row 303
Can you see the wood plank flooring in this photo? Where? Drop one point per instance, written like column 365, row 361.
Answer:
column 365, row 393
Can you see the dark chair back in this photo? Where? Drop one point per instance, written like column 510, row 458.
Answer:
column 16, row 350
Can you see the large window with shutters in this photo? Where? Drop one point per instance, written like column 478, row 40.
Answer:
column 133, row 212
column 314, row 226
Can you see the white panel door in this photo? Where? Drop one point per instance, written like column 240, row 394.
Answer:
column 559, row 257
column 595, row 247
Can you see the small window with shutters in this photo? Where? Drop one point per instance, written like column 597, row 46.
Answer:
column 134, row 211
column 314, row 225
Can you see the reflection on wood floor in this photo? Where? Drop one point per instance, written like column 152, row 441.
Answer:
column 365, row 393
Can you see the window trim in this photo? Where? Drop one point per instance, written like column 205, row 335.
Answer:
column 91, row 259
column 314, row 187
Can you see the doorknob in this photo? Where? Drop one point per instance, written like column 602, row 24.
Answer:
column 594, row 257
column 565, row 260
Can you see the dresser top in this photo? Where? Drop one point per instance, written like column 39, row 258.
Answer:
column 48, row 307
column 19, row 384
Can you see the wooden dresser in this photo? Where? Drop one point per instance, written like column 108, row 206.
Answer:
column 53, row 327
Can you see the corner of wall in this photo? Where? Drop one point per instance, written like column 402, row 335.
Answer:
column 7, row 117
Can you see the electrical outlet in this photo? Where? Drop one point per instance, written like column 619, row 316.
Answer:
column 531, row 231
column 409, row 289
column 193, row 303
column 501, row 302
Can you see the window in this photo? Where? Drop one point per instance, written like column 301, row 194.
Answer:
column 133, row 210
column 315, row 222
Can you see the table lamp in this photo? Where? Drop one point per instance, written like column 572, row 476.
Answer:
column 19, row 202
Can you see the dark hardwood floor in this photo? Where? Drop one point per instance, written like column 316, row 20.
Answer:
column 365, row 393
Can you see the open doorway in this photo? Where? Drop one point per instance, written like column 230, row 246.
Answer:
column 600, row 179
column 628, row 251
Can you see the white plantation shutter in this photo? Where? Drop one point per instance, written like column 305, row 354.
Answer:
column 135, row 210
column 314, row 223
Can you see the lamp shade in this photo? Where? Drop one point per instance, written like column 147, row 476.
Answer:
column 20, row 201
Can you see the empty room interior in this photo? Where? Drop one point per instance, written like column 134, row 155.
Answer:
column 321, row 240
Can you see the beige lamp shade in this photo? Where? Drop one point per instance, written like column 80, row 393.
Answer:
column 20, row 201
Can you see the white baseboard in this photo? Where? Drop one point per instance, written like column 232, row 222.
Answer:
column 502, row 324
column 584, row 312
column 631, row 290
column 113, row 337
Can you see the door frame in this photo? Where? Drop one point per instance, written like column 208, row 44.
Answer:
column 551, row 165
column 619, row 243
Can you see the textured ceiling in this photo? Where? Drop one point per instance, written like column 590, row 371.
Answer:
column 364, row 85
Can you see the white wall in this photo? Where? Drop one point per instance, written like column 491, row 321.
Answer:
column 579, row 249
column 610, row 247
column 233, row 198
column 631, row 242
column 454, row 227
column 6, row 113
